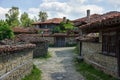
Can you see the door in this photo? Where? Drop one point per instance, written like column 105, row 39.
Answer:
column 60, row 42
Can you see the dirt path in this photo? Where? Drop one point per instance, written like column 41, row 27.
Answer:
column 59, row 66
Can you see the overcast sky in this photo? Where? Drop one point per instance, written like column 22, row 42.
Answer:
column 71, row 9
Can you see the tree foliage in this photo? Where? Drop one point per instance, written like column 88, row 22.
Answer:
column 68, row 25
column 42, row 16
column 5, row 31
column 56, row 29
column 12, row 17
column 25, row 20
column 64, row 27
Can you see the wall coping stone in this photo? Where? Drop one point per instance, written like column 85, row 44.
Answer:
column 11, row 48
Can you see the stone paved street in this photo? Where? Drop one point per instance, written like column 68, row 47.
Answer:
column 59, row 66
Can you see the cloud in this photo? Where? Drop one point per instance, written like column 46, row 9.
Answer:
column 74, row 2
column 93, row 8
column 49, row 0
column 55, row 6
column 32, row 12
column 3, row 11
column 115, row 2
column 71, row 8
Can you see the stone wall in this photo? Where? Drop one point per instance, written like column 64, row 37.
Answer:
column 70, row 40
column 50, row 39
column 91, row 53
column 15, row 61
column 41, row 49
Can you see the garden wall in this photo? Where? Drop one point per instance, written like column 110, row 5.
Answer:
column 15, row 61
column 91, row 53
column 41, row 48
column 70, row 41
column 50, row 39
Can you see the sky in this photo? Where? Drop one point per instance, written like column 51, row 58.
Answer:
column 71, row 9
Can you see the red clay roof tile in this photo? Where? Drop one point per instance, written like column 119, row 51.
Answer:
column 50, row 21
column 107, row 19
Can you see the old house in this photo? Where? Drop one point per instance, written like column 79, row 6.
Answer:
column 48, row 24
column 103, row 49
column 55, row 39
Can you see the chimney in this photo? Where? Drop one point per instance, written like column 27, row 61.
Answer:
column 64, row 19
column 88, row 15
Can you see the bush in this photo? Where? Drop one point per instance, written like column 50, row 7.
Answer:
column 5, row 31
column 56, row 29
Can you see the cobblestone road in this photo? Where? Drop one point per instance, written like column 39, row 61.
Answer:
column 59, row 66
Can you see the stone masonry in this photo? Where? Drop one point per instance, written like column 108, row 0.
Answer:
column 70, row 40
column 91, row 53
column 15, row 61
column 41, row 49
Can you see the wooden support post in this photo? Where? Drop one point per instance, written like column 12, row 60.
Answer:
column 118, row 52
column 80, row 48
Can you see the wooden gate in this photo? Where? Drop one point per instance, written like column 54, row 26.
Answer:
column 60, row 42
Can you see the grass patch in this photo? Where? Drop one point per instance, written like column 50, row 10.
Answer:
column 90, row 73
column 34, row 75
column 76, row 50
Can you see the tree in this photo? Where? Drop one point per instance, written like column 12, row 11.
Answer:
column 42, row 16
column 35, row 19
column 66, row 26
column 12, row 17
column 5, row 31
column 56, row 29
column 63, row 27
column 25, row 20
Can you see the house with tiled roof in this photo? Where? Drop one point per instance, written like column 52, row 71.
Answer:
column 49, row 24
column 57, row 39
column 99, row 43
column 84, row 20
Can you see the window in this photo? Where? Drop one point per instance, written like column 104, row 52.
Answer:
column 109, row 43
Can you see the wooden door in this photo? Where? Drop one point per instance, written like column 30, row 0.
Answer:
column 60, row 42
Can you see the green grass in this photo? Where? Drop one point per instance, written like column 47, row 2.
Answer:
column 34, row 75
column 90, row 73
column 76, row 50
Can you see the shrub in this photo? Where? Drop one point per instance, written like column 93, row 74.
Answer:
column 56, row 29
column 5, row 31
